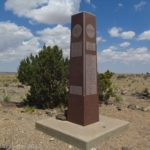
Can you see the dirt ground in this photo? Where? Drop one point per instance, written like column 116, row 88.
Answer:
column 17, row 125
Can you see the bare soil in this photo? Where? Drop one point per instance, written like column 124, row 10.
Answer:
column 17, row 125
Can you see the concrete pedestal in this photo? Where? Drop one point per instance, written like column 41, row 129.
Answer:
column 83, row 137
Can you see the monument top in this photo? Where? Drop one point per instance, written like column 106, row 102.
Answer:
column 84, row 12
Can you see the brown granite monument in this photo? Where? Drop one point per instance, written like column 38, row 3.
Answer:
column 83, row 100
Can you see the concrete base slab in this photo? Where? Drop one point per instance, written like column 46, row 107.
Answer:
column 83, row 137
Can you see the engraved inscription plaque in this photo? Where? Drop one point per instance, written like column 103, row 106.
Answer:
column 90, row 46
column 76, row 49
column 91, row 79
column 90, row 30
column 77, row 30
column 77, row 90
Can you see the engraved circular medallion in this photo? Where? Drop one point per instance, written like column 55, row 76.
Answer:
column 90, row 30
column 77, row 30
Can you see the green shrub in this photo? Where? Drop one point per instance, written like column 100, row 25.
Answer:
column 146, row 91
column 6, row 84
column 29, row 109
column 121, row 76
column 47, row 75
column 105, row 87
column 14, row 81
column 6, row 98
column 118, row 98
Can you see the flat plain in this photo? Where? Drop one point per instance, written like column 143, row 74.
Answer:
column 17, row 124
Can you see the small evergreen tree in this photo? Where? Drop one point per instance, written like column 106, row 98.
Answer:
column 105, row 86
column 47, row 75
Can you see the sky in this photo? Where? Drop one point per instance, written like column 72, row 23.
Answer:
column 123, row 31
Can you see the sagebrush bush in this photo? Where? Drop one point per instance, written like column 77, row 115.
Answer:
column 47, row 75
column 118, row 98
column 121, row 76
column 29, row 109
column 6, row 98
column 105, row 87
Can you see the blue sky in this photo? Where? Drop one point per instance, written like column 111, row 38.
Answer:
column 123, row 31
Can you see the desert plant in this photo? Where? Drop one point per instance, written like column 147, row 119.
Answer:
column 129, row 85
column 146, row 91
column 6, row 84
column 14, row 81
column 105, row 87
column 47, row 75
column 121, row 76
column 118, row 98
column 6, row 98
column 146, row 76
column 29, row 109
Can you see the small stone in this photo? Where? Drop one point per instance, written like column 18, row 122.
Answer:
column 142, row 108
column 124, row 92
column 147, row 109
column 54, row 111
column 109, row 103
column 124, row 148
column 51, row 139
column 49, row 113
column 20, row 86
column 93, row 148
column 39, row 113
column 22, row 111
column 138, row 107
column 70, row 146
column 132, row 106
column 20, row 118
column 119, row 108
column 5, row 147
column 5, row 119
column 66, row 112
column 4, row 111
column 61, row 117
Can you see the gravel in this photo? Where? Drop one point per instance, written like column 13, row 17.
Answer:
column 17, row 130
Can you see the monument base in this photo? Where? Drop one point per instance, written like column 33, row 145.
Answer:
column 83, row 137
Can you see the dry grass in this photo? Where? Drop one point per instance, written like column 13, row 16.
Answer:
column 9, row 88
column 17, row 125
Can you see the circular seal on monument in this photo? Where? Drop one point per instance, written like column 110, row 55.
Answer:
column 90, row 31
column 77, row 30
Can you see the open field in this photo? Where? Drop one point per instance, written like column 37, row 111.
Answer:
column 17, row 124
column 11, row 88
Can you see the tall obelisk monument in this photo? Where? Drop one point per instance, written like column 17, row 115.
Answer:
column 83, row 100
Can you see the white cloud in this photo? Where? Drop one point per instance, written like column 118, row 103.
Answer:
column 59, row 35
column 128, row 35
column 125, row 44
column 16, row 41
column 99, row 39
column 44, row 11
column 112, row 47
column 115, row 32
column 145, row 35
column 132, row 55
column 118, row 32
column 139, row 6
